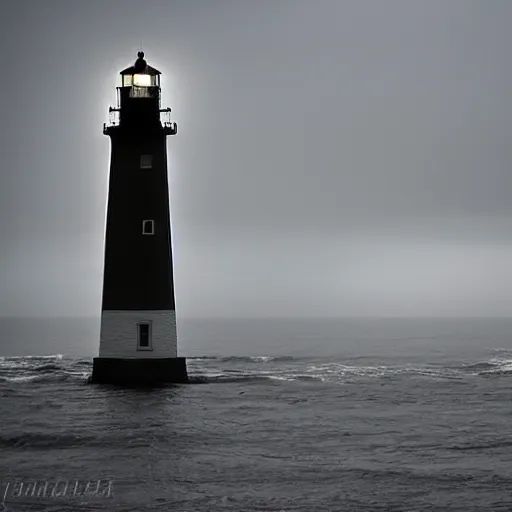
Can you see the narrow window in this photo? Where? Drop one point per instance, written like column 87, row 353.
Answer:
column 144, row 336
column 148, row 227
column 146, row 161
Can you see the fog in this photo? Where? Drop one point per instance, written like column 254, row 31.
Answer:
column 334, row 158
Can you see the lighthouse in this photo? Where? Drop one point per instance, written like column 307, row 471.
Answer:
column 138, row 338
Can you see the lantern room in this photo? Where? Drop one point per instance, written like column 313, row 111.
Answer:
column 138, row 99
column 141, row 78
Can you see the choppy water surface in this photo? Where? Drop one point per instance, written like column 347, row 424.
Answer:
column 418, row 423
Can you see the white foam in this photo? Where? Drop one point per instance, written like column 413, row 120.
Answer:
column 20, row 358
column 22, row 379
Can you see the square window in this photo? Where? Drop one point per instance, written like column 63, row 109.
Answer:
column 146, row 161
column 144, row 336
column 148, row 227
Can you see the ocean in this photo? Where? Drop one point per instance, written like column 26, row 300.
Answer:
column 280, row 415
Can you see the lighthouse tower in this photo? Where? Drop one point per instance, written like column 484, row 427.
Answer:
column 138, row 320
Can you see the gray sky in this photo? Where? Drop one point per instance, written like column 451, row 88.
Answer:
column 334, row 157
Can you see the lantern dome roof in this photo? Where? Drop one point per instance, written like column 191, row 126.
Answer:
column 140, row 68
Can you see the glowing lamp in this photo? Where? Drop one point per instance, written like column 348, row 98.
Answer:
column 142, row 80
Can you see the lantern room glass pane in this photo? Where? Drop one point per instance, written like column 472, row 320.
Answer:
column 127, row 80
column 140, row 92
column 143, row 80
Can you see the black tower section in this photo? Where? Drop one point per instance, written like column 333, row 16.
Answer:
column 138, row 271
column 138, row 276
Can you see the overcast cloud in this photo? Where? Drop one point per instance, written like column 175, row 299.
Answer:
column 334, row 157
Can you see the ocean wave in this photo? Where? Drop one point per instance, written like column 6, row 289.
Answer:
column 56, row 357
column 292, row 378
column 50, row 367
column 82, row 362
column 240, row 376
column 38, row 441
column 33, row 440
column 223, row 369
column 336, row 369
column 40, row 369
column 37, row 378
column 494, row 366
column 223, row 378
column 411, row 475
column 481, row 365
column 502, row 350
column 243, row 359
column 481, row 446
column 257, row 359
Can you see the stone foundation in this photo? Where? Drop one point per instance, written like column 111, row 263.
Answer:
column 108, row 370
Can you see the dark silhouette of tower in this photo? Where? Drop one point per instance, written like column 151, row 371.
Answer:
column 138, row 341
